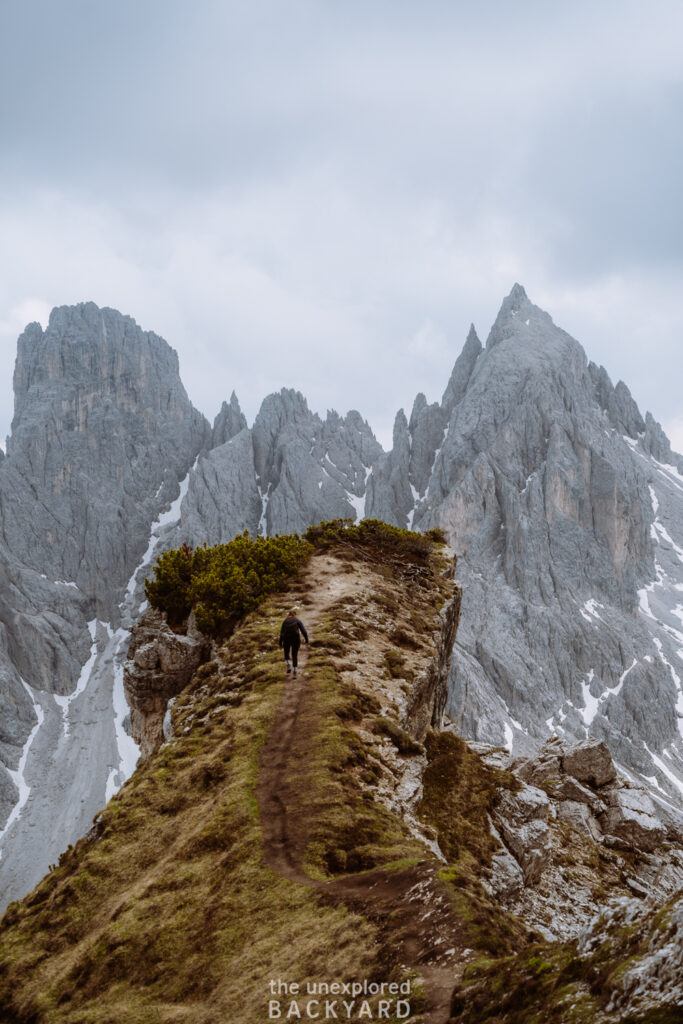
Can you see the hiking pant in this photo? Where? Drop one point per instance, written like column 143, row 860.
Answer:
column 294, row 646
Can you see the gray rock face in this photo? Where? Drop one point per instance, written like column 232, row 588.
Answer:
column 631, row 816
column 400, row 479
column 289, row 471
column 429, row 691
column 652, row 983
column 617, row 402
column 102, row 432
column 578, row 815
column 565, row 508
column 223, row 497
column 577, row 846
column 390, row 496
column 462, row 372
column 522, row 820
column 229, row 422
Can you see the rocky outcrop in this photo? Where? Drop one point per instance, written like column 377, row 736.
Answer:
column 631, row 818
column 590, row 762
column 228, row 423
column 462, row 372
column 160, row 664
column 390, row 496
column 651, row 979
column 223, row 497
column 290, row 470
column 428, row 694
column 522, row 819
column 580, row 835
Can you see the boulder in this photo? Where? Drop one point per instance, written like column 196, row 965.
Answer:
column 544, row 770
column 590, row 762
column 505, row 876
column 570, row 789
column 631, row 817
column 547, row 771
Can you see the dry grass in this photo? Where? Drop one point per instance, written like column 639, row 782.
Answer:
column 170, row 914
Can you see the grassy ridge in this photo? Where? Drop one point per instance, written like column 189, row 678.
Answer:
column 167, row 911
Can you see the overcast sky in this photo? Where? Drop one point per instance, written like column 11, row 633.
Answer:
column 324, row 194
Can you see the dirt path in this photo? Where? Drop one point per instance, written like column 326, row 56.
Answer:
column 410, row 907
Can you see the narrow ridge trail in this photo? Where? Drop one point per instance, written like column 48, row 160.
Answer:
column 410, row 907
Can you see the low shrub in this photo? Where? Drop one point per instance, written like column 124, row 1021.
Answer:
column 224, row 582
column 373, row 534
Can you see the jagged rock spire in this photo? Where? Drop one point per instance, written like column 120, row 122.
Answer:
column 462, row 371
column 229, row 421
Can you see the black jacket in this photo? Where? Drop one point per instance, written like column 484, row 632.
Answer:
column 290, row 630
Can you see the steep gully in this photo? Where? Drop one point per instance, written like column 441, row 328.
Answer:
column 412, row 903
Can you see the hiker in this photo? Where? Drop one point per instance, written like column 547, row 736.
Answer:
column 290, row 638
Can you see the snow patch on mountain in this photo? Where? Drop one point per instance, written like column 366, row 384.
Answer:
column 65, row 702
column 18, row 776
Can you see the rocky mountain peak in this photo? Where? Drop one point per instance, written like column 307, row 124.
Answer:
column 541, row 473
column 617, row 402
column 89, row 364
column 516, row 313
column 102, row 432
column 400, row 430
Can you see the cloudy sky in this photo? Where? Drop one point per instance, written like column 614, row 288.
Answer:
column 323, row 194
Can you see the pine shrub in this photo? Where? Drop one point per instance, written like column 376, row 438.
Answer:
column 223, row 583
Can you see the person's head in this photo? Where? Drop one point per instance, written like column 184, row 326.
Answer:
column 293, row 612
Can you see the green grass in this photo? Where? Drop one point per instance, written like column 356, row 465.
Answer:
column 171, row 914
column 404, row 743
column 459, row 794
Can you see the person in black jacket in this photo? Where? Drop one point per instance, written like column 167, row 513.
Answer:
column 291, row 631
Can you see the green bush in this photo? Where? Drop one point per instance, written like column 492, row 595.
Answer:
column 174, row 572
column 224, row 582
